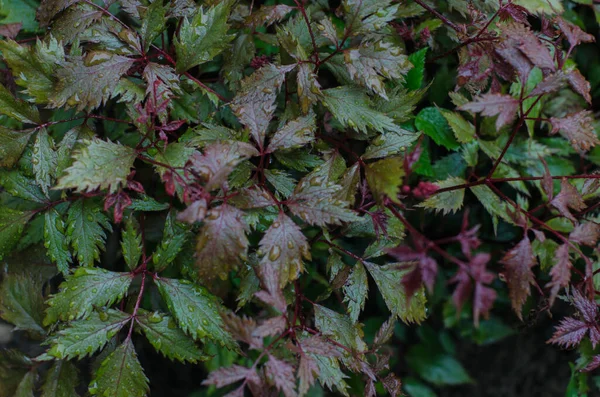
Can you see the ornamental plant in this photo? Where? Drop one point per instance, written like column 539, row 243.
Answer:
column 297, row 198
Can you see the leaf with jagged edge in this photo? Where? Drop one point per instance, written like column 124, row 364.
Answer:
column 175, row 234
column 86, row 83
column 61, row 380
column 371, row 63
column 368, row 16
column 296, row 133
column 120, row 374
column 21, row 302
column 237, row 57
column 44, row 159
column 254, row 104
column 356, row 289
column 464, row 131
column 14, row 365
column 446, row 202
column 55, row 240
column 84, row 337
column 12, row 144
column 71, row 140
column 390, row 143
column 12, row 223
column 86, row 230
column 389, row 281
column 282, row 375
column 18, row 185
column 284, row 245
column 349, row 184
column 543, row 7
column 501, row 105
column 131, row 243
column 74, row 22
column 196, row 310
column 168, row 339
column 204, row 37
column 27, row 385
column 578, row 129
column 162, row 82
column 330, row 374
column 517, row 264
column 222, row 243
column 309, row 89
column 48, row 9
column 17, row 108
column 99, row 164
column 283, row 183
column 85, row 289
column 153, row 22
column 267, row 15
column 401, row 103
column 340, row 328
column 492, row 204
column 385, row 178
column 34, row 67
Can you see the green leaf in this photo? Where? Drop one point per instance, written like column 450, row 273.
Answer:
column 61, row 380
column 55, row 240
column 168, row 339
column 222, row 242
column 437, row 368
column 353, row 109
column 356, row 289
column 85, row 289
column 17, row 108
column 120, row 374
column 196, row 310
column 548, row 7
column 12, row 144
column 389, row 281
column 174, row 237
column 434, row 125
column 492, row 203
column 401, row 103
column 340, row 328
column 21, row 302
column 131, row 243
column 385, row 178
column 390, row 143
column 368, row 16
column 18, row 185
column 27, row 385
column 85, row 230
column 85, row 337
column 330, row 373
column 414, row 78
column 70, row 140
column 19, row 11
column 44, row 159
column 153, row 22
column 147, row 203
column 446, row 202
column 99, row 164
column 204, row 37
column 12, row 223
column 86, row 83
column 464, row 131
column 294, row 134
column 281, row 181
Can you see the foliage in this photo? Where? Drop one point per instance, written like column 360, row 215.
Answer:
column 284, row 192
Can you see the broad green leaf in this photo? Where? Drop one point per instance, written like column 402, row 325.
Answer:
column 174, row 237
column 330, row 374
column 21, row 302
column 19, row 11
column 390, row 143
column 356, row 290
column 340, row 328
column 222, row 242
column 120, row 374
column 61, row 380
column 17, row 108
column 437, row 368
column 99, row 164
column 85, row 230
column 446, row 202
column 204, row 37
column 18, row 185
column 131, row 243
column 196, row 310
column 85, row 289
column 27, row 385
column 71, row 140
column 86, row 83
column 401, row 103
column 44, row 159
column 153, row 22
column 168, row 339
column 84, row 337
column 12, row 144
column 547, row 7
column 294, row 134
column 385, row 178
column 389, row 280
column 281, row 181
column 464, row 131
column 414, row 78
column 55, row 240
column 353, row 109
column 434, row 125
column 493, row 204
column 12, row 223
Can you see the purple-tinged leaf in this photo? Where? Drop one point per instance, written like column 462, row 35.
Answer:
column 578, row 129
column 282, row 375
column 586, row 233
column 517, row 264
column 569, row 332
column 568, row 198
column 595, row 363
column 561, row 271
column 504, row 106
column 573, row 33
column 227, row 375
column 271, row 327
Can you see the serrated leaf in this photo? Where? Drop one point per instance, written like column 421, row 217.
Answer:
column 70, row 140
column 84, row 337
column 61, row 380
column 340, row 328
column 204, row 37
column 48, row 9
column 568, row 198
column 385, row 178
column 98, row 165
column 254, row 104
column 131, row 243
column 174, row 237
column 44, row 159
column 85, row 230
column 281, row 181
column 153, row 22
column 120, row 374
column 390, row 143
column 353, row 109
column 548, row 7
column 90, row 82
column 401, row 103
column 12, row 144
column 518, row 263
column 17, row 108
column 503, row 106
column 85, row 289
column 163, row 333
column 330, row 374
column 464, row 131
column 446, row 202
column 578, row 129
column 431, row 122
column 12, row 223
column 389, row 281
column 18, row 185
column 368, row 16
column 27, row 385
column 196, row 310
column 356, row 289
column 294, row 134
column 21, row 302
column 309, row 89
column 495, row 206
column 414, row 78
column 55, row 240
column 147, row 203
column 222, row 242
column 282, row 375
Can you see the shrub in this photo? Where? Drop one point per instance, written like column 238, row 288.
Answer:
column 284, row 191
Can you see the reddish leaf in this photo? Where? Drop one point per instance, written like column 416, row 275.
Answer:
column 271, row 327
column 561, row 271
column 521, row 37
column 504, row 106
column 595, row 363
column 424, row 272
column 392, row 385
column 579, row 84
column 568, row 197
column 578, row 129
column 514, row 11
column 282, row 375
column 10, row 30
column 226, row 376
column 242, row 329
column 586, row 233
column 573, row 33
column 547, row 181
column 307, row 373
column 569, row 332
column 518, row 263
